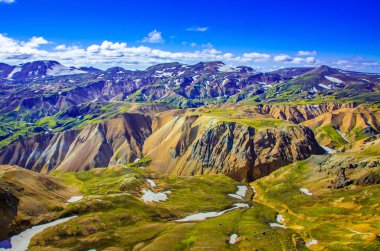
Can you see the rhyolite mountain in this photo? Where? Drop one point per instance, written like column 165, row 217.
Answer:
column 38, row 69
column 103, row 145
column 64, row 118
column 50, row 86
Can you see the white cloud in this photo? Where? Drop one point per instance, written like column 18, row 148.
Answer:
column 153, row 37
column 60, row 47
column 310, row 60
column 197, row 28
column 13, row 49
column 283, row 58
column 7, row 1
column 228, row 55
column 108, row 53
column 255, row 57
column 307, row 53
column 297, row 60
column 35, row 42
column 207, row 45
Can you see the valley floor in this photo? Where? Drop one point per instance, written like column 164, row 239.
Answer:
column 273, row 214
column 329, row 201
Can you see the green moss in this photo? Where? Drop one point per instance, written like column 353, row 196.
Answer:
column 216, row 112
column 330, row 132
column 49, row 121
column 104, row 181
column 327, row 215
column 123, row 220
column 262, row 123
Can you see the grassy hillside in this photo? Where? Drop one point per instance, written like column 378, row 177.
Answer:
column 342, row 213
column 110, row 216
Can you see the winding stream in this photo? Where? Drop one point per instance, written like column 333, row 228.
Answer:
column 21, row 241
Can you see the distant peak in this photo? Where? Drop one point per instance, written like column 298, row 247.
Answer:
column 164, row 66
column 46, row 62
column 323, row 69
column 215, row 63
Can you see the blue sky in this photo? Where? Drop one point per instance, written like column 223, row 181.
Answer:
column 263, row 34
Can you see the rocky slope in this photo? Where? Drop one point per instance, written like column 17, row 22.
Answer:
column 178, row 141
column 189, row 145
column 345, row 125
column 242, row 141
column 118, row 140
column 45, row 87
column 295, row 113
column 337, row 212
column 39, row 69
column 8, row 212
column 332, row 200
column 29, row 198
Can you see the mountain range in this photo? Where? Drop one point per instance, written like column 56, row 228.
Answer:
column 188, row 157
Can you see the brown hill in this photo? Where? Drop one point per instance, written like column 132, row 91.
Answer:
column 29, row 198
column 193, row 144
column 117, row 140
column 242, row 141
column 345, row 125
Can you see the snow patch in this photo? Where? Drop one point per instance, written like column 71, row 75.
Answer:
column 325, row 86
column 150, row 196
column 227, row 68
column 233, row 238
column 151, row 183
column 240, row 193
column 306, row 191
column 15, row 70
column 163, row 74
column 312, row 242
column 277, row 225
column 280, row 219
column 202, row 216
column 235, row 196
column 335, row 80
column 61, row 70
column 74, row 199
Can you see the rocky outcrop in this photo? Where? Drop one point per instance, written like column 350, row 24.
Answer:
column 293, row 113
column 301, row 113
column 118, row 140
column 28, row 198
column 8, row 211
column 281, row 146
column 353, row 123
column 191, row 145
column 227, row 148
